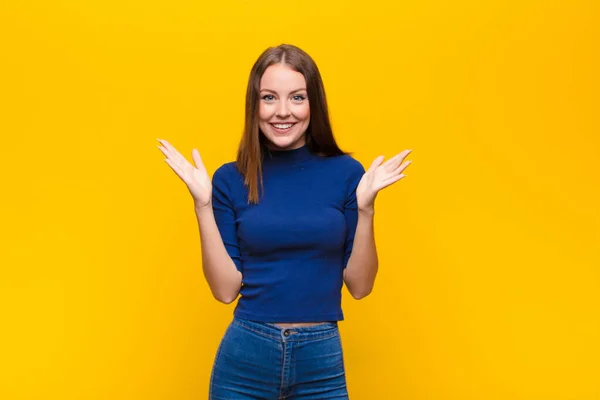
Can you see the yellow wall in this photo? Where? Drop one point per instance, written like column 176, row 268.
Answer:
column 489, row 284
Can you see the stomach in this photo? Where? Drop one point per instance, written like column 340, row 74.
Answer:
column 295, row 324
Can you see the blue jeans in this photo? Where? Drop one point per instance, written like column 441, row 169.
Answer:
column 257, row 360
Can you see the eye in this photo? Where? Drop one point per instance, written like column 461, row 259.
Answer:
column 268, row 97
column 298, row 97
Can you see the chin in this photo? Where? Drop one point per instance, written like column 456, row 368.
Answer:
column 284, row 143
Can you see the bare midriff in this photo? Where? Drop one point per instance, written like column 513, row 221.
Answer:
column 297, row 324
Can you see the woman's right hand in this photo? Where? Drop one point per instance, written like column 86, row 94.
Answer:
column 196, row 178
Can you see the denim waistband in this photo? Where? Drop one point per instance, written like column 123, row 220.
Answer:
column 320, row 331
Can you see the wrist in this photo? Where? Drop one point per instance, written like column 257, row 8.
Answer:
column 201, row 208
column 367, row 211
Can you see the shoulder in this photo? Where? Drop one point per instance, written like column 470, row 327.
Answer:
column 345, row 169
column 226, row 171
column 228, row 181
column 343, row 160
column 347, row 165
column 226, row 175
column 353, row 164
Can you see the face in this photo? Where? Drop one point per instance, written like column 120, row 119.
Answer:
column 283, row 112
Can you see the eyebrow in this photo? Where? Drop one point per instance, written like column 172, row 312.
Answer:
column 272, row 91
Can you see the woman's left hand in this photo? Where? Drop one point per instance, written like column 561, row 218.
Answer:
column 380, row 176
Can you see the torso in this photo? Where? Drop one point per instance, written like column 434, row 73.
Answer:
column 294, row 243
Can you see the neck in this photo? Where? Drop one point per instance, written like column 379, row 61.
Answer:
column 287, row 157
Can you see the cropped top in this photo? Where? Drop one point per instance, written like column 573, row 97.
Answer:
column 293, row 246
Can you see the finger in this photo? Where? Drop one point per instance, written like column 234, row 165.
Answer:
column 397, row 159
column 172, row 158
column 376, row 162
column 198, row 160
column 164, row 151
column 175, row 155
column 175, row 168
column 387, row 182
column 393, row 162
column 172, row 150
column 402, row 167
column 166, row 148
column 164, row 143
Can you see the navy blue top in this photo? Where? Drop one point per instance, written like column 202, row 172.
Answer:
column 292, row 247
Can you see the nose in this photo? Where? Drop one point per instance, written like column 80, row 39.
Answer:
column 283, row 110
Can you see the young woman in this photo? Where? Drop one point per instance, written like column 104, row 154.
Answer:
column 285, row 225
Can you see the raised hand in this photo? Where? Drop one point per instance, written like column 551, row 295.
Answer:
column 380, row 176
column 196, row 178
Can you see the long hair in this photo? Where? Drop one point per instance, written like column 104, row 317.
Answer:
column 319, row 136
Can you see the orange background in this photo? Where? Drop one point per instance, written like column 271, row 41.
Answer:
column 489, row 283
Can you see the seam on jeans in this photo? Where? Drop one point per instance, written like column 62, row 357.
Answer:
column 342, row 357
column 212, row 375
column 347, row 395
column 279, row 396
column 255, row 331
column 329, row 336
column 295, row 377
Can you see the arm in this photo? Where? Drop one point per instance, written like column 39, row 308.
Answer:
column 220, row 271
column 360, row 255
column 362, row 266
column 221, row 261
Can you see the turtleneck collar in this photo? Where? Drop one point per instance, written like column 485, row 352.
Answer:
column 288, row 157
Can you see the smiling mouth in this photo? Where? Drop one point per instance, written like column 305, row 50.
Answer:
column 282, row 128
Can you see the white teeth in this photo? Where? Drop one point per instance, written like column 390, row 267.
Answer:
column 282, row 126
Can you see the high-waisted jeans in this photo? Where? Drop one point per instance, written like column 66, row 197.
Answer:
column 257, row 360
